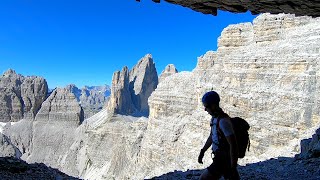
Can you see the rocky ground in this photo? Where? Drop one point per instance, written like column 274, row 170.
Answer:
column 12, row 168
column 275, row 169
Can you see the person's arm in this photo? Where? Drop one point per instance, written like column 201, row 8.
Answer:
column 208, row 143
column 205, row 148
column 234, row 153
column 227, row 129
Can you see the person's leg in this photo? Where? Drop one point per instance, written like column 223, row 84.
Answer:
column 206, row 175
column 215, row 170
column 231, row 174
column 234, row 174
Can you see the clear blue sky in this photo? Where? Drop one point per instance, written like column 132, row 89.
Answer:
column 84, row 42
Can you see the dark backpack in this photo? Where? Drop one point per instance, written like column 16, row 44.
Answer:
column 241, row 128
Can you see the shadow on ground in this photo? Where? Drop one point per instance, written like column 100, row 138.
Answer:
column 281, row 168
column 305, row 166
column 13, row 168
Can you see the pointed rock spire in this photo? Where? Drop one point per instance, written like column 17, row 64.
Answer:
column 168, row 71
column 130, row 90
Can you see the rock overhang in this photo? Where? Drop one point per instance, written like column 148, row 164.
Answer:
column 299, row 8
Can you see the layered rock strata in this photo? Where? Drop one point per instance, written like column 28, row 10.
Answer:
column 53, row 130
column 169, row 70
column 265, row 72
column 300, row 8
column 131, row 89
column 20, row 97
column 62, row 106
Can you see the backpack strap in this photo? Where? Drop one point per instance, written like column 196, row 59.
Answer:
column 218, row 127
column 221, row 137
column 220, row 133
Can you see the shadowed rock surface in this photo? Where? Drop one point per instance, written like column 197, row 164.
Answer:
column 305, row 165
column 300, row 8
column 273, row 169
column 12, row 168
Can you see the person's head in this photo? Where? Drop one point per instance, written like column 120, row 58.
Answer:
column 210, row 101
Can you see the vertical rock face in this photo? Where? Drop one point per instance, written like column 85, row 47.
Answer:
column 61, row 105
column 54, row 127
column 168, row 71
column 33, row 93
column 143, row 81
column 120, row 99
column 20, row 97
column 266, row 72
column 130, row 90
column 11, row 108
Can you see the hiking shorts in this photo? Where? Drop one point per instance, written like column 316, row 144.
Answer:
column 221, row 166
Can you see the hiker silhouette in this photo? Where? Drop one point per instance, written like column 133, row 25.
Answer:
column 222, row 139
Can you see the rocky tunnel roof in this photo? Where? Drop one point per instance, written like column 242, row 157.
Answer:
column 297, row 7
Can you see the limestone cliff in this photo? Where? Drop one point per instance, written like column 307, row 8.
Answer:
column 130, row 90
column 168, row 71
column 61, row 105
column 265, row 72
column 143, row 81
column 20, row 97
column 120, row 99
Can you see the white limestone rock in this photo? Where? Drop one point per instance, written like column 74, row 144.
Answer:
column 54, row 127
column 21, row 97
column 143, row 81
column 130, row 90
column 168, row 71
column 265, row 77
column 120, row 99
